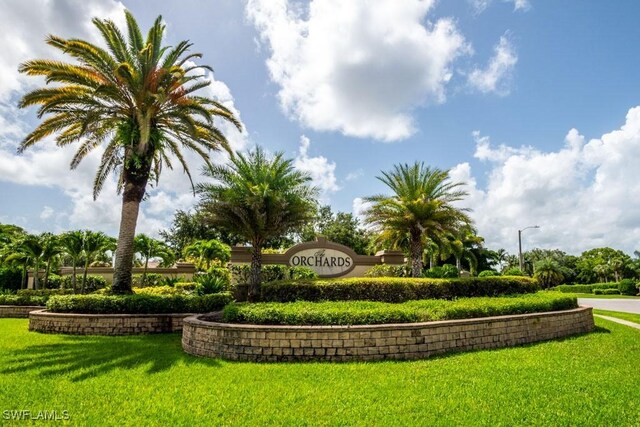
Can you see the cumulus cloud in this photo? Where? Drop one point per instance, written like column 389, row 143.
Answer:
column 583, row 195
column 321, row 170
column 496, row 76
column 25, row 26
column 480, row 6
column 357, row 69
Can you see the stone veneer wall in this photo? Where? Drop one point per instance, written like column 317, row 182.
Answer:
column 258, row 343
column 105, row 324
column 18, row 311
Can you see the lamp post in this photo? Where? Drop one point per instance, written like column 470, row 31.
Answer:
column 520, row 257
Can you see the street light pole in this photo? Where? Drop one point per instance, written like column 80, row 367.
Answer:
column 520, row 257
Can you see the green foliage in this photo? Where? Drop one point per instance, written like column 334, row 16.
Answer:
column 271, row 272
column 602, row 264
column 216, row 279
column 207, row 252
column 152, row 279
column 598, row 291
column 186, row 287
column 582, row 289
column 10, row 278
column 513, row 271
column 611, row 291
column 488, row 273
column 391, row 289
column 628, row 287
column 157, row 290
column 386, row 270
column 92, row 283
column 137, row 303
column 446, row 271
column 367, row 312
column 8, row 299
column 44, row 292
column 341, row 227
column 549, row 272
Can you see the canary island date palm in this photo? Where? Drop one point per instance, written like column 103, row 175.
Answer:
column 135, row 100
column 420, row 207
column 258, row 197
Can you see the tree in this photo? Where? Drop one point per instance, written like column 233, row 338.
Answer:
column 500, row 257
column 341, row 227
column 138, row 97
column 420, row 207
column 258, row 198
column 459, row 244
column 93, row 245
column 72, row 243
column 149, row 248
column 207, row 251
column 50, row 249
column 601, row 263
column 189, row 227
column 548, row 272
column 30, row 248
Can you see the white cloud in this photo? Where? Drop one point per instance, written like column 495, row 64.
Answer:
column 496, row 76
column 321, row 170
column 480, row 6
column 357, row 69
column 583, row 195
column 47, row 212
column 354, row 175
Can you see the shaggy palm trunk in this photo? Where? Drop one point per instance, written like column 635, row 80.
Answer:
column 74, row 277
column 416, row 253
column 144, row 272
column 45, row 282
column 84, row 274
column 36, row 273
column 254, row 275
column 458, row 264
column 25, row 270
column 134, row 189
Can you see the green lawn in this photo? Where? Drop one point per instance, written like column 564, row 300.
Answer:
column 631, row 317
column 147, row 380
column 605, row 296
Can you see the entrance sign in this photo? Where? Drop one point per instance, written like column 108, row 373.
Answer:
column 325, row 262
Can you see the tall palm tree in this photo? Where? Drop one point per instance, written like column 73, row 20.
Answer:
column 15, row 254
column 420, row 207
column 94, row 244
column 258, row 198
column 50, row 249
column 207, row 251
column 30, row 248
column 548, row 272
column 459, row 244
column 72, row 243
column 137, row 100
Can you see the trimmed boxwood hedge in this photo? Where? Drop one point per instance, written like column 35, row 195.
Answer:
column 9, row 299
column 394, row 289
column 369, row 312
column 137, row 304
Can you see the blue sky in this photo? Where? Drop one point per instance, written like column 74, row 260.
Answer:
column 529, row 102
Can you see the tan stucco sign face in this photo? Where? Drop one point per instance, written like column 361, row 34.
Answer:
column 326, row 262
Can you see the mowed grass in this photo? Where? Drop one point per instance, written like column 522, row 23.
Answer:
column 591, row 379
column 605, row 296
column 631, row 317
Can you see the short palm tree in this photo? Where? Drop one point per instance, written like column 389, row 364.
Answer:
column 420, row 207
column 548, row 272
column 30, row 248
column 459, row 244
column 50, row 250
column 94, row 244
column 137, row 100
column 207, row 251
column 72, row 243
column 148, row 248
column 258, row 198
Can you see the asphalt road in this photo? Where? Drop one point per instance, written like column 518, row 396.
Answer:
column 624, row 305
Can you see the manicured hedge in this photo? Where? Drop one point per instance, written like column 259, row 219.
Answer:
column 8, row 299
column 137, row 304
column 44, row 292
column 583, row 289
column 394, row 289
column 368, row 312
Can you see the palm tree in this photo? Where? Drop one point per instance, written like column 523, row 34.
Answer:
column 548, row 272
column 149, row 248
column 459, row 244
column 94, row 244
column 207, row 251
column 30, row 248
column 500, row 257
column 137, row 99
column 50, row 249
column 73, row 245
column 258, row 198
column 14, row 254
column 421, row 207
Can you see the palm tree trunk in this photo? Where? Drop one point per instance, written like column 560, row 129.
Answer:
column 131, row 198
column 254, row 276
column 73, row 276
column 144, row 272
column 36, row 271
column 84, row 274
column 458, row 264
column 25, row 270
column 46, row 275
column 416, row 253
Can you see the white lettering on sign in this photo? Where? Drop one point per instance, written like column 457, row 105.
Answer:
column 325, row 262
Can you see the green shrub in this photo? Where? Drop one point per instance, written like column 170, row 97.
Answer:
column 137, row 303
column 598, row 291
column 93, row 283
column 157, row 290
column 152, row 279
column 611, row 291
column 44, row 292
column 216, row 279
column 367, row 312
column 628, row 287
column 186, row 287
column 54, row 281
column 10, row 278
column 446, row 271
column 513, row 271
column 7, row 299
column 488, row 273
column 582, row 289
column 270, row 273
column 386, row 270
column 392, row 289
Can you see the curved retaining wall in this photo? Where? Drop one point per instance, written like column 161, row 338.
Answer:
column 258, row 343
column 105, row 324
column 18, row 311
